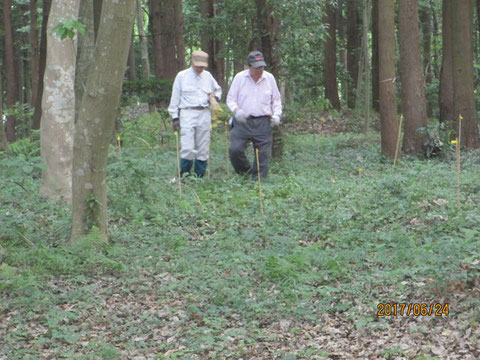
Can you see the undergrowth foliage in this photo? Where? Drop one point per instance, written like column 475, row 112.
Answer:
column 208, row 258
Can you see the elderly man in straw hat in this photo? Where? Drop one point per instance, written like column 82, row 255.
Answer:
column 189, row 109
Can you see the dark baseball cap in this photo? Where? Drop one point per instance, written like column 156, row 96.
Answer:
column 255, row 59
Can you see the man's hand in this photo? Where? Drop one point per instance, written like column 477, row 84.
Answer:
column 176, row 124
column 275, row 120
column 240, row 116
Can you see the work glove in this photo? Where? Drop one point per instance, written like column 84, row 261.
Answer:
column 275, row 120
column 176, row 124
column 240, row 116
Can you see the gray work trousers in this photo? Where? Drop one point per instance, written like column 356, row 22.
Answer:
column 259, row 132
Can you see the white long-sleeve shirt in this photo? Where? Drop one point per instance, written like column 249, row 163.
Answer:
column 255, row 99
column 191, row 90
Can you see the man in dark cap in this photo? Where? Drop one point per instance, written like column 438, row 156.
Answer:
column 255, row 101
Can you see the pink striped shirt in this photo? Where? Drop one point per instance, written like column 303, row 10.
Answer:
column 255, row 99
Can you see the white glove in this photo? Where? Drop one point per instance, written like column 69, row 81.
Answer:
column 240, row 116
column 275, row 120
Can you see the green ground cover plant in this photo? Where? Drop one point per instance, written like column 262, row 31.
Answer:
column 206, row 276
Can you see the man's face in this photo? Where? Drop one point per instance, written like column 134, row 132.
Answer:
column 198, row 69
column 256, row 73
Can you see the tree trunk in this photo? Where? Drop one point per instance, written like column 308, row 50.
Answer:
column 155, row 13
column 37, row 115
column 375, row 79
column 353, row 46
column 446, row 73
column 34, row 53
column 413, row 84
column 58, row 116
column 131, row 71
column 144, row 51
column 462, row 61
column 85, row 50
column 330, row 58
column 10, row 67
column 3, row 137
column 425, row 20
column 96, row 121
column 386, row 58
column 179, row 36
column 97, row 10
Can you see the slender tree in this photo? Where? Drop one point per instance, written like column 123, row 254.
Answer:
column 425, row 20
column 34, row 50
column 131, row 71
column 10, row 67
column 96, row 120
column 445, row 97
column 353, row 47
column 462, row 61
column 375, row 80
column 387, row 77
column 330, row 58
column 414, row 105
column 37, row 115
column 3, row 138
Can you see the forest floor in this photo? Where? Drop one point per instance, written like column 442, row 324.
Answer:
column 207, row 275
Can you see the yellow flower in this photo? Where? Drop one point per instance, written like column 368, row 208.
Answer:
column 360, row 170
column 118, row 138
column 454, row 142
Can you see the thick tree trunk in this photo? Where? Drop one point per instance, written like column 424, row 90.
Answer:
column 353, row 48
column 330, row 58
column 10, row 68
column 37, row 115
column 462, row 61
column 446, row 73
column 34, row 51
column 96, row 121
column 155, row 13
column 58, row 116
column 375, row 79
column 387, row 77
column 162, row 13
column 179, row 36
column 425, row 20
column 413, row 84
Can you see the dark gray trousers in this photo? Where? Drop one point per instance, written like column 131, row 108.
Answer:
column 259, row 132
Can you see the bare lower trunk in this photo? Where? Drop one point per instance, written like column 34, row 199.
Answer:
column 462, row 61
column 58, row 105
column 386, row 57
column 330, row 59
column 413, row 84
column 446, row 74
column 96, row 119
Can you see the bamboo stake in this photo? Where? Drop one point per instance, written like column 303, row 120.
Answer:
column 227, row 158
column 360, row 172
column 398, row 141
column 178, row 164
column 260, row 196
column 457, row 152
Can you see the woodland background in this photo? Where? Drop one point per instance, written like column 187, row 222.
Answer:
column 372, row 198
